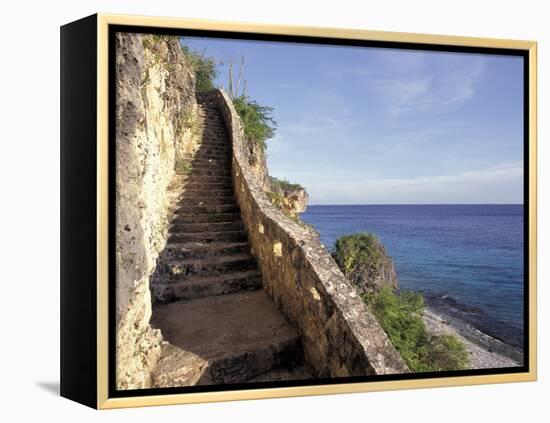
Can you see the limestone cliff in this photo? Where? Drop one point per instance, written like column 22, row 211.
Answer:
column 295, row 196
column 258, row 164
column 156, row 113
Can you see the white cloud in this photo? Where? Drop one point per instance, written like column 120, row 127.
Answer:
column 499, row 183
column 402, row 95
column 408, row 81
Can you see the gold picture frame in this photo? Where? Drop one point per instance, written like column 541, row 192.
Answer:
column 97, row 395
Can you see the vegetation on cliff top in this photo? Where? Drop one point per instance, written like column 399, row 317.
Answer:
column 399, row 312
column 257, row 120
column 357, row 250
column 204, row 68
column 284, row 185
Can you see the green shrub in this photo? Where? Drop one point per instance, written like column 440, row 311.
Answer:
column 284, row 185
column 400, row 315
column 447, row 352
column 355, row 250
column 257, row 120
column 204, row 68
column 183, row 166
column 190, row 122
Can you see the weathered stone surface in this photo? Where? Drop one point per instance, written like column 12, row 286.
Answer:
column 283, row 374
column 222, row 339
column 155, row 91
column 258, row 163
column 340, row 336
column 295, row 199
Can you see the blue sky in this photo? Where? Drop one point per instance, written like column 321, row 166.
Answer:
column 382, row 126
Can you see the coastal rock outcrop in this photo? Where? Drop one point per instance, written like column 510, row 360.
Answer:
column 295, row 197
column 291, row 198
column 156, row 113
column 365, row 262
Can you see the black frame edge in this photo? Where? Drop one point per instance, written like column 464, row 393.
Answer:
column 78, row 298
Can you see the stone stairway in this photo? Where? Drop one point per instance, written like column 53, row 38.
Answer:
column 219, row 325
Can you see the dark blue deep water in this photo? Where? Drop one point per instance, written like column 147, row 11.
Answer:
column 464, row 258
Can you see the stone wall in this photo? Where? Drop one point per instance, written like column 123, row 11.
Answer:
column 339, row 334
column 155, row 91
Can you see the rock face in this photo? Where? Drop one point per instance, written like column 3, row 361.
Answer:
column 156, row 111
column 258, row 164
column 365, row 262
column 295, row 197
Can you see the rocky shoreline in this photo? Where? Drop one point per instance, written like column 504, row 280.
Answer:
column 485, row 351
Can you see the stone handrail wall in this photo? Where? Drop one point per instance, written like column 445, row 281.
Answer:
column 340, row 336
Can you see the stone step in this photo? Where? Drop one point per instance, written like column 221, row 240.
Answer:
column 177, row 270
column 215, row 144
column 213, row 159
column 207, row 209
column 214, row 179
column 206, row 227
column 178, row 251
column 206, row 192
column 206, row 218
column 222, row 339
column 222, row 169
column 210, row 172
column 218, row 138
column 298, row 372
column 206, row 201
column 209, row 237
column 214, row 147
column 214, row 152
column 205, row 286
column 226, row 162
column 195, row 185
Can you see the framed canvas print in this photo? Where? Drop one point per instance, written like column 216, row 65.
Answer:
column 255, row 211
